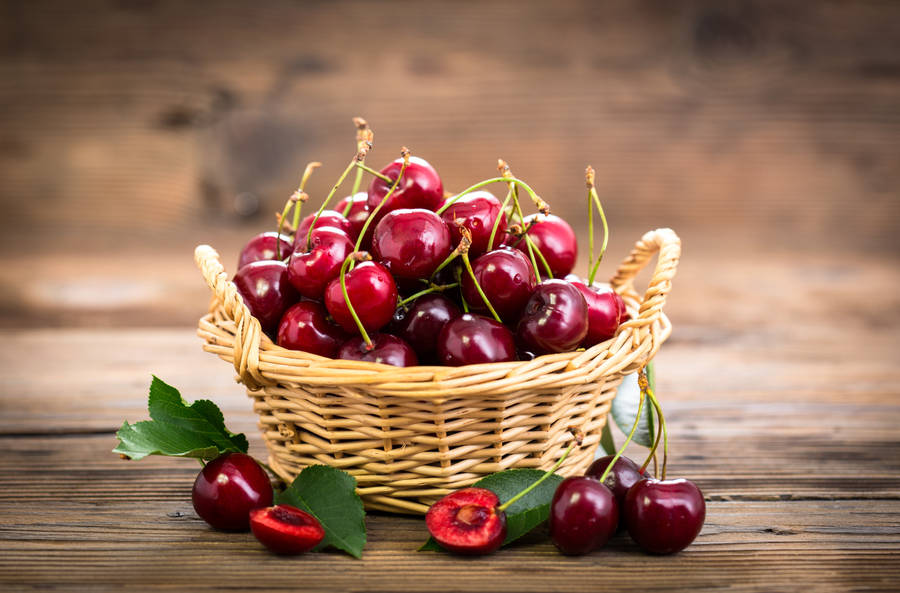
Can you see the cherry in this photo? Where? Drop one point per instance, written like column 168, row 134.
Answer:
column 556, row 241
column 305, row 326
column 477, row 212
column 228, row 488
column 468, row 521
column 422, row 321
column 311, row 271
column 411, row 242
column 583, row 515
column 604, row 313
column 555, row 318
column 507, row 279
column 263, row 246
column 328, row 218
column 664, row 516
column 473, row 339
column 385, row 349
column 285, row 529
column 623, row 475
column 372, row 291
column 266, row 291
column 421, row 187
column 357, row 215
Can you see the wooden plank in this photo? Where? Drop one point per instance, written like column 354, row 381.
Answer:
column 74, row 517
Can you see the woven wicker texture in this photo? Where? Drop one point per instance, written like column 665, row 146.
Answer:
column 412, row 435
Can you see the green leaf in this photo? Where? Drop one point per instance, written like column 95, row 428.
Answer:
column 178, row 429
column 329, row 494
column 526, row 513
column 625, row 406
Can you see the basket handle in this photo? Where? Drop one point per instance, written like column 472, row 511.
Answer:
column 668, row 245
column 249, row 332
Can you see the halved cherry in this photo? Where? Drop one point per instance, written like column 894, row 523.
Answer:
column 285, row 529
column 468, row 521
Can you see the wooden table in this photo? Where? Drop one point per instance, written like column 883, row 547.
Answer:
column 781, row 388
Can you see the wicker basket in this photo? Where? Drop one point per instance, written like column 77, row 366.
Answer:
column 412, row 435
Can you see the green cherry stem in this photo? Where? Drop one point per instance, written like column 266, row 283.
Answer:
column 481, row 184
column 328, row 199
column 546, row 475
column 364, row 138
column 355, row 256
column 362, row 167
column 540, row 256
column 500, row 215
column 592, row 193
column 589, row 178
column 295, row 197
column 662, row 421
column 621, row 450
column 651, row 455
column 464, row 251
column 462, row 297
column 506, row 173
column 404, row 153
column 432, row 288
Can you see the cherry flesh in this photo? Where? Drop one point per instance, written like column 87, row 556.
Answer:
column 604, row 313
column 555, row 318
column 266, row 291
column 263, row 246
column 359, row 212
column 328, row 218
column 285, row 529
column 372, row 291
column 411, row 242
column 228, row 488
column 473, row 339
column 421, row 187
column 507, row 279
column 310, row 271
column 583, row 515
column 422, row 321
column 664, row 516
column 623, row 475
column 386, row 349
column 477, row 212
column 468, row 521
column 556, row 241
column 305, row 326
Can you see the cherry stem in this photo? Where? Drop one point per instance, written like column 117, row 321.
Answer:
column 537, row 251
column 500, row 215
column 481, row 184
column 364, row 138
column 589, row 177
column 429, row 290
column 404, row 152
column 328, row 199
column 350, row 258
column 656, row 440
column 662, row 421
column 462, row 297
column 506, row 173
column 490, row 307
column 453, row 255
column 546, row 475
column 371, row 171
column 637, row 420
column 287, row 208
column 592, row 194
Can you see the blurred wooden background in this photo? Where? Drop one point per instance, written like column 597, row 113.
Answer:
column 141, row 127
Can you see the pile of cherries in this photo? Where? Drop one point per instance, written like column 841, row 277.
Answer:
column 404, row 274
column 662, row 516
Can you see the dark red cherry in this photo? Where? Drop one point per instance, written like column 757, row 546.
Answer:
column 583, row 515
column 286, row 530
column 266, row 291
column 623, row 475
column 473, row 339
column 507, row 279
column 387, row 349
column 372, row 291
column 328, row 218
column 604, row 313
column 422, row 322
column 311, row 271
column 228, row 488
column 477, row 212
column 306, row 326
column 262, row 247
column 664, row 516
column 359, row 212
column 556, row 240
column 468, row 522
column 421, row 187
column 411, row 242
column 554, row 320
